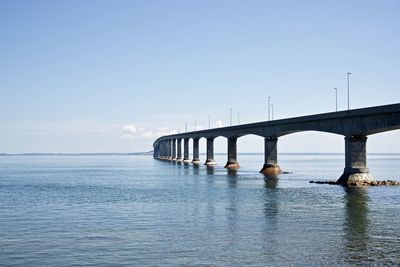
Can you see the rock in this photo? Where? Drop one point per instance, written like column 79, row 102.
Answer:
column 323, row 182
column 361, row 183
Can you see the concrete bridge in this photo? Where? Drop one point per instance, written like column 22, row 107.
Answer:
column 355, row 125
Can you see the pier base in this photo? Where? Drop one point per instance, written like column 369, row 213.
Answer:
column 355, row 176
column 196, row 161
column 233, row 165
column 271, row 170
column 210, row 163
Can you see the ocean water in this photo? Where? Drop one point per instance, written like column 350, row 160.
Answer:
column 137, row 211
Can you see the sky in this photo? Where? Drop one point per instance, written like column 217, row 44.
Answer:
column 112, row 76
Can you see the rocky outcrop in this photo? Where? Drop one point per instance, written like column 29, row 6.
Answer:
column 360, row 183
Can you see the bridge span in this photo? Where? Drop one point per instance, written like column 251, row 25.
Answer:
column 355, row 125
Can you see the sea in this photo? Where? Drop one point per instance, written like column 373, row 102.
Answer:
column 133, row 210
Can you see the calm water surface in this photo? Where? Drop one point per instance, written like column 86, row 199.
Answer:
column 136, row 211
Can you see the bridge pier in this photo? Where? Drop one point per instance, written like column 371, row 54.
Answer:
column 169, row 149
column 355, row 170
column 173, row 149
column 232, row 155
column 196, row 157
column 210, row 152
column 159, row 153
column 179, row 152
column 155, row 152
column 271, row 167
column 186, row 158
column 160, row 150
column 165, row 152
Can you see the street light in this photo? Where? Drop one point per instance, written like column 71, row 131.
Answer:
column 272, row 111
column 336, row 96
column 230, row 116
column 269, row 100
column 348, row 91
column 209, row 121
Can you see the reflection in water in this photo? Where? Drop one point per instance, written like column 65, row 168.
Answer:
column 356, row 224
column 211, row 210
column 232, row 172
column 210, row 170
column 271, row 199
column 186, row 168
column 271, row 182
column 270, row 209
column 271, row 177
column 232, row 178
column 232, row 209
column 196, row 169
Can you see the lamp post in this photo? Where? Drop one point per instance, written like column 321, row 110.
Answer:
column 209, row 121
column 269, row 100
column 238, row 114
column 230, row 116
column 336, row 96
column 348, row 91
column 272, row 111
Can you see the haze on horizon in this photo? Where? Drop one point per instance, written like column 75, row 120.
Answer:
column 112, row 76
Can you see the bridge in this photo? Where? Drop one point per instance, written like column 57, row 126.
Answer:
column 355, row 125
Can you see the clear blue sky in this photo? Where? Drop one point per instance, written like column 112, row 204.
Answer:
column 110, row 76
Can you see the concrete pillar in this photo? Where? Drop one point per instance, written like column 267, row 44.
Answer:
column 232, row 160
column 355, row 170
column 158, row 154
column 186, row 158
column 166, row 149
column 157, row 151
column 174, row 149
column 210, row 152
column 163, row 150
column 271, row 167
column 179, row 152
column 169, row 150
column 196, row 158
